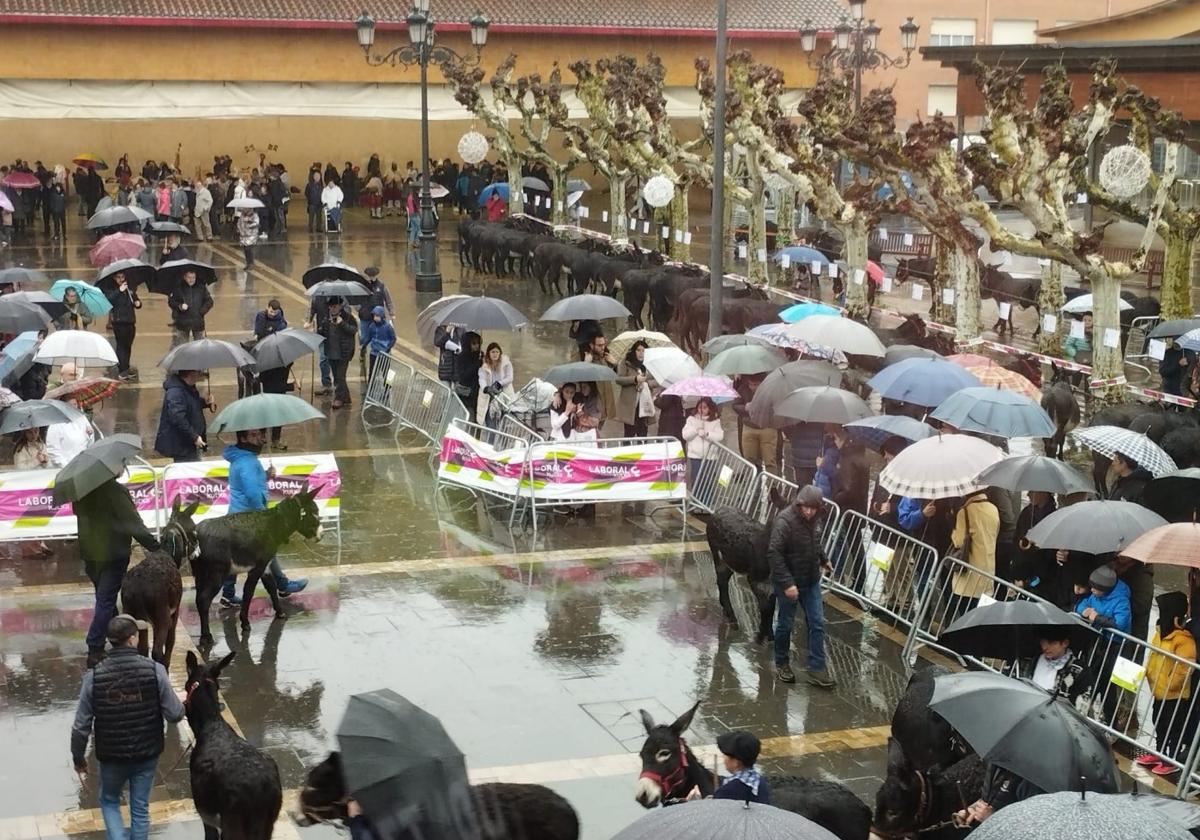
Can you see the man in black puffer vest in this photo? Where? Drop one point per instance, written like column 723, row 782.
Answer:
column 125, row 698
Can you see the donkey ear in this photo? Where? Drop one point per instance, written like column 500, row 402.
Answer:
column 221, row 665
column 897, row 760
column 685, row 720
column 191, row 508
column 192, row 662
column 175, row 506
column 311, row 492
column 647, row 721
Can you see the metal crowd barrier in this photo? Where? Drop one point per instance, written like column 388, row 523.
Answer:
column 880, row 567
column 510, row 425
column 387, row 389
column 768, row 482
column 498, row 439
column 428, row 408
column 724, row 478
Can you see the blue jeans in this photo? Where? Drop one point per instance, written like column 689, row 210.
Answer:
column 814, row 616
column 414, row 228
column 229, row 585
column 326, row 370
column 107, row 584
column 113, row 776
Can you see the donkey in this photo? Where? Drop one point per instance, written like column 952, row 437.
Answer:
column 502, row 811
column 670, row 770
column 921, row 802
column 152, row 589
column 235, row 787
column 923, row 734
column 247, row 542
column 1058, row 400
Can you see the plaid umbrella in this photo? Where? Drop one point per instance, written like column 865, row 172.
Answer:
column 1176, row 545
column 994, row 376
column 116, row 246
column 941, row 467
column 1109, row 440
column 86, row 392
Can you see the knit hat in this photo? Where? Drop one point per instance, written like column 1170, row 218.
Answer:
column 810, row 496
column 121, row 627
column 371, row 271
column 1103, row 578
column 742, row 745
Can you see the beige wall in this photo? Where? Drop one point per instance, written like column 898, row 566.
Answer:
column 1176, row 22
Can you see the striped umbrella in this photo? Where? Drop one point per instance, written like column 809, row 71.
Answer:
column 1109, row 440
column 941, row 467
column 85, row 392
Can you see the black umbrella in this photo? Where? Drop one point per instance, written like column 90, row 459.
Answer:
column 112, row 216
column 779, row 383
column 584, row 307
column 137, row 273
column 1004, row 630
column 723, row 819
column 1087, row 816
column 168, row 227
column 19, row 275
column 53, row 306
column 170, row 275
column 206, row 354
column 1176, row 328
column 18, row 316
column 401, row 766
column 1175, row 496
column 102, row 461
column 1015, row 725
column 482, row 313
column 33, row 414
column 350, row 291
column 332, row 271
column 284, row 347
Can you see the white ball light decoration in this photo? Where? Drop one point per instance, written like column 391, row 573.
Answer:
column 472, row 147
column 658, row 191
column 1124, row 171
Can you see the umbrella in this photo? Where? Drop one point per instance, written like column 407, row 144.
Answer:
column 531, row 183
column 1083, row 303
column 33, row 414
column 991, row 411
column 901, row 352
column 724, row 342
column 17, row 356
column 802, row 310
column 745, row 360
column 482, row 313
column 205, row 354
column 669, row 365
column 486, row 193
column 427, row 322
column 1015, row 725
column 940, row 467
column 112, row 217
column 6, row 202
column 584, row 307
column 84, row 348
column 263, row 411
column 579, row 372
column 85, row 392
column 779, row 383
column 90, row 161
column 169, row 227
column 245, row 203
column 332, row 271
column 93, row 299
column 21, row 180
column 116, row 246
column 1190, row 340
column 137, row 273
column 19, row 275
column 723, row 819
column 1174, row 545
column 874, row 431
column 994, row 376
column 577, row 185
column 714, row 387
column 1092, row 816
column 284, row 347
column 142, row 215
column 1176, row 328
column 170, row 275
column 1004, row 630
column 17, row 316
column 1095, row 527
column 103, row 461
column 1036, row 472
column 801, row 255
column 838, row 333
column 874, row 272
column 1175, row 496
column 438, row 191
column 53, row 307
column 924, row 382
column 822, row 404
column 351, row 291
column 620, row 345
column 400, row 765
column 1109, row 440
column 780, row 335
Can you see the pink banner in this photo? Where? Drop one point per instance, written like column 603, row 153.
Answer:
column 593, row 471
column 214, row 490
column 460, row 453
column 34, row 502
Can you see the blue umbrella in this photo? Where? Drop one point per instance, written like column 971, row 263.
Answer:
column 993, row 411
column 801, row 254
column 486, row 192
column 1190, row 340
column 93, row 299
column 17, row 356
column 802, row 310
column 924, row 382
column 873, row 431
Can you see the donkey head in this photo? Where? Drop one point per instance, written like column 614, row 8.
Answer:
column 665, row 770
column 203, row 684
column 301, row 513
column 902, row 804
column 323, row 797
column 180, row 538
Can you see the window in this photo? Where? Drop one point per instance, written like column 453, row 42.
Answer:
column 1014, row 31
column 943, row 99
column 1188, row 167
column 952, row 32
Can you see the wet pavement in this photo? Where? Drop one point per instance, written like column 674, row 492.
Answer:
column 536, row 656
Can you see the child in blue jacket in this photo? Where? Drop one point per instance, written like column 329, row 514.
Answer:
column 379, row 336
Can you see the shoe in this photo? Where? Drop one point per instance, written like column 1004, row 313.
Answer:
column 820, row 678
column 1147, row 760
column 95, row 657
column 322, row 392
column 336, row 404
column 292, row 587
column 1164, row 769
column 784, row 672
column 228, row 601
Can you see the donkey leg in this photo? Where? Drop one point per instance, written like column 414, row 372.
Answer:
column 766, row 618
column 248, row 595
column 169, row 639
column 273, row 590
column 724, row 574
column 206, row 590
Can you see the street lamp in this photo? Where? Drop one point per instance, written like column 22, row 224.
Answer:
column 856, row 46
column 420, row 51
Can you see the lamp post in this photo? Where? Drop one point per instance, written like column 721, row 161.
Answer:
column 420, row 51
column 856, row 46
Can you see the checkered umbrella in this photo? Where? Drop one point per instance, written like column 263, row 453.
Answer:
column 941, row 467
column 1109, row 440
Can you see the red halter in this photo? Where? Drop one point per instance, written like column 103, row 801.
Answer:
column 667, row 783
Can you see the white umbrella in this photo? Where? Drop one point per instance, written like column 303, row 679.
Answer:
column 1083, row 303
column 940, row 467
column 83, row 348
column 245, row 204
column 837, row 333
column 669, row 365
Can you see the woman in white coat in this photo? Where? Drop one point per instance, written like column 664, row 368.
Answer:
column 495, row 378
column 701, row 431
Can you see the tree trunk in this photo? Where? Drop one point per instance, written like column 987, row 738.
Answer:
column 1107, row 362
column 943, row 278
column 855, row 234
column 756, row 237
column 619, row 229
column 726, row 232
column 558, row 195
column 785, row 217
column 1177, row 275
column 964, row 266
column 1050, row 302
column 516, row 200
column 680, row 250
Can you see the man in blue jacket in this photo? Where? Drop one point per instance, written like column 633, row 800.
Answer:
column 248, row 491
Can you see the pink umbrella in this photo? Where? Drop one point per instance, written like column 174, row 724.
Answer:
column 21, row 180
column 116, row 246
column 713, row 387
column 5, row 203
column 874, row 272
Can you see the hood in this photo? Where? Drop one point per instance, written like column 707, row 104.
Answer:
column 234, row 453
column 173, row 380
column 380, row 311
column 1171, row 606
column 466, row 342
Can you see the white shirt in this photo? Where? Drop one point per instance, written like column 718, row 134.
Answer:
column 331, row 196
column 66, row 440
